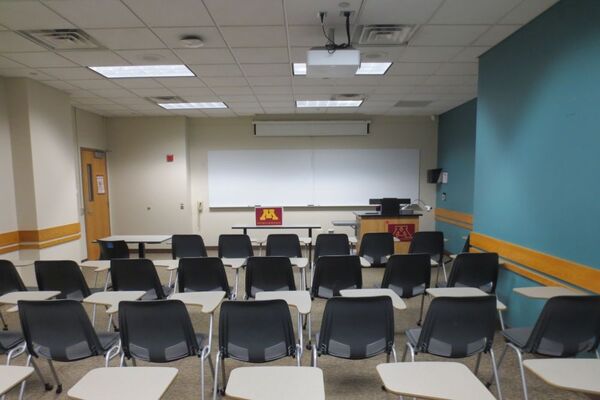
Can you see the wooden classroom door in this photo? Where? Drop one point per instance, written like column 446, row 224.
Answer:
column 95, row 199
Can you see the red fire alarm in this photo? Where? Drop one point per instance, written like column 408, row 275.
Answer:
column 170, row 157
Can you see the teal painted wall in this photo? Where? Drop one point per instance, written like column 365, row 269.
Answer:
column 538, row 142
column 456, row 155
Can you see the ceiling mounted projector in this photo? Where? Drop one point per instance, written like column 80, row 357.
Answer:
column 321, row 62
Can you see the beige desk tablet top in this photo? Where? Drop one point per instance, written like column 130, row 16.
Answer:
column 104, row 265
column 546, row 292
column 22, row 263
column 575, row 374
column 462, row 292
column 14, row 297
column 276, row 383
column 112, row 299
column 300, row 262
column 126, row 383
column 11, row 376
column 209, row 301
column 234, row 263
column 397, row 302
column 440, row 380
column 295, row 298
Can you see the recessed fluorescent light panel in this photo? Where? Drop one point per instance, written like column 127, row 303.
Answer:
column 143, row 71
column 190, row 106
column 374, row 68
column 328, row 103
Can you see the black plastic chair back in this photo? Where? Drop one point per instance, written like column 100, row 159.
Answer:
column 332, row 244
column 135, row 274
column 10, row 280
column 375, row 247
column 58, row 330
column 110, row 250
column 285, row 245
column 431, row 243
column 335, row 273
column 268, row 274
column 156, row 331
column 567, row 325
column 467, row 246
column 478, row 270
column 357, row 327
column 457, row 327
column 187, row 246
column 256, row 331
column 235, row 246
column 408, row 275
column 202, row 274
column 64, row 276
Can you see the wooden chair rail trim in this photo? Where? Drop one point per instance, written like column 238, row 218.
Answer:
column 39, row 239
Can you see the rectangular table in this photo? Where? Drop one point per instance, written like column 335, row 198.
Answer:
column 276, row 383
column 14, row 297
column 120, row 383
column 397, row 302
column 575, row 374
column 111, row 300
column 141, row 240
column 11, row 376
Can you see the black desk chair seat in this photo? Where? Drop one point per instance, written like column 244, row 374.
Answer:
column 268, row 274
column 12, row 344
column 376, row 247
column 138, row 274
column 64, row 276
column 187, row 246
column 335, row 273
column 432, row 243
column 10, row 281
column 200, row 274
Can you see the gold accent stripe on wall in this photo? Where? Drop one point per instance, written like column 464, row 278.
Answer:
column 39, row 239
column 457, row 218
column 9, row 238
column 573, row 273
column 54, row 232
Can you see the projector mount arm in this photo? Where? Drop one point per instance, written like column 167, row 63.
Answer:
column 331, row 45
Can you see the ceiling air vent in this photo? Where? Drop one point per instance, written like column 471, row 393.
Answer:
column 165, row 99
column 412, row 103
column 62, row 39
column 347, row 96
column 385, row 35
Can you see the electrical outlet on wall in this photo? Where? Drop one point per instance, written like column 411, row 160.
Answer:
column 444, row 196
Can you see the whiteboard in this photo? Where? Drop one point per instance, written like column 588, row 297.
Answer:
column 319, row 177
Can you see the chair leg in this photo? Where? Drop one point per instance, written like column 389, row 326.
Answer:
column 15, row 352
column 422, row 306
column 55, row 375
column 495, row 370
column 444, row 270
column 133, row 362
column 223, row 376
column 216, row 377
column 521, row 370
column 210, row 364
column 597, row 353
column 314, row 356
column 4, row 325
column 202, row 376
column 394, row 355
column 404, row 353
column 476, row 370
column 412, row 352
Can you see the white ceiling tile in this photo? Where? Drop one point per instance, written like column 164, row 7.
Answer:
column 431, row 90
column 496, row 34
column 472, row 11
column 229, row 81
column 304, row 12
column 298, row 54
column 526, row 11
column 270, row 81
column 310, row 36
column 470, row 54
column 181, row 82
column 458, row 69
column 137, row 83
column 244, row 98
column 153, row 92
column 93, row 58
column 267, row 69
column 274, row 97
column 93, row 100
column 25, row 73
column 71, row 73
column 171, row 12
column 224, row 90
column 200, row 98
column 124, row 39
column 354, row 89
column 172, row 36
column 394, row 89
column 191, row 91
column 255, row 36
column 94, row 84
column 305, row 81
column 150, row 57
column 255, row 12
column 315, row 90
column 429, row 54
column 81, row 93
column 406, row 68
column 398, row 11
column 7, row 63
column 447, row 35
column 403, row 80
column 380, row 53
column 272, row 89
column 216, row 70
column 451, row 80
column 11, row 42
column 30, row 15
column 279, row 110
column 95, row 14
column 61, row 85
column 112, row 93
column 356, row 81
column 261, row 55
column 277, row 104
column 205, row 56
column 40, row 59
column 131, row 100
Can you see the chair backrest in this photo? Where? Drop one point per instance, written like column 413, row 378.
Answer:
column 110, row 250
column 268, row 274
column 187, row 246
column 135, row 274
column 335, row 273
column 156, row 331
column 256, row 331
column 458, row 327
column 332, row 244
column 375, row 247
column 10, row 280
column 478, row 270
column 567, row 325
column 64, row 276
column 467, row 245
column 357, row 327
column 59, row 330
column 407, row 274
column 285, row 245
column 431, row 243
column 235, row 246
column 201, row 274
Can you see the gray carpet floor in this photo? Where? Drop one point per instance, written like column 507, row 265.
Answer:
column 344, row 379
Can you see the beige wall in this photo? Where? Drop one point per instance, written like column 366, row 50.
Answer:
column 205, row 134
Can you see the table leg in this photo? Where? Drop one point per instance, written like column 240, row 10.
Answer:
column 310, row 251
column 141, row 250
column 93, row 315
column 309, row 331
column 245, row 230
column 237, row 279
column 300, row 333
